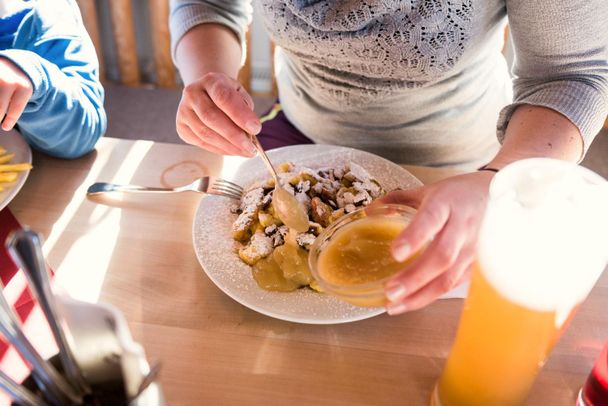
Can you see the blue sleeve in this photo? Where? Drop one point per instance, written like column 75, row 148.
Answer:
column 65, row 115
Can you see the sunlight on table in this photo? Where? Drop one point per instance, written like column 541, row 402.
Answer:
column 82, row 271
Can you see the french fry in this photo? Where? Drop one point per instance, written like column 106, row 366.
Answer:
column 8, row 176
column 15, row 167
column 6, row 158
column 9, row 171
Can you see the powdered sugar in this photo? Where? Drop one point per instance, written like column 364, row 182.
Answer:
column 249, row 206
column 259, row 246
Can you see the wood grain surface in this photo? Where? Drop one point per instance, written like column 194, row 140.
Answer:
column 91, row 23
column 123, row 28
column 161, row 43
column 245, row 73
column 136, row 253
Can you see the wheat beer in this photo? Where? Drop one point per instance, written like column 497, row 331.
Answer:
column 540, row 252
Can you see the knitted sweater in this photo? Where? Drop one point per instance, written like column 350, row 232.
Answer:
column 424, row 81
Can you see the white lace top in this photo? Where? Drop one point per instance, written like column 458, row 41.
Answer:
column 424, row 81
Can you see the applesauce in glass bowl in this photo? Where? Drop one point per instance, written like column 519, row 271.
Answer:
column 351, row 259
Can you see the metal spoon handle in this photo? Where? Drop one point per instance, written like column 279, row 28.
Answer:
column 51, row 382
column 260, row 149
column 25, row 247
column 148, row 380
column 18, row 393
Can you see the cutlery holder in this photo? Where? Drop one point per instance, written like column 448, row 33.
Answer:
column 114, row 366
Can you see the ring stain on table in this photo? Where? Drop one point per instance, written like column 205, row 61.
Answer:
column 182, row 173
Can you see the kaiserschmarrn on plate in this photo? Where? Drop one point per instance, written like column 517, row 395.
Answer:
column 279, row 255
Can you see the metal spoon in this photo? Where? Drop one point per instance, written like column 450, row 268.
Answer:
column 262, row 153
column 25, row 248
column 50, row 382
column 18, row 393
column 289, row 210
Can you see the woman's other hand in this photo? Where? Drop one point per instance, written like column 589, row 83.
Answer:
column 216, row 113
column 15, row 91
column 446, row 227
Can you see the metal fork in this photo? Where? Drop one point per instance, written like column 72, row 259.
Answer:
column 207, row 184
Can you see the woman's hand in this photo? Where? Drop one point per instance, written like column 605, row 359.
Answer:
column 216, row 113
column 448, row 220
column 15, row 91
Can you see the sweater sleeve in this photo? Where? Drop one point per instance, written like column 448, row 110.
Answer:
column 186, row 14
column 65, row 115
column 561, row 60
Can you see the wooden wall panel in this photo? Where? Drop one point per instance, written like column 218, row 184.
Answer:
column 505, row 40
column 273, row 79
column 124, row 37
column 245, row 72
column 159, row 23
column 91, row 23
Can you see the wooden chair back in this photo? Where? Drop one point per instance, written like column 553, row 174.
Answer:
column 123, row 30
column 125, row 42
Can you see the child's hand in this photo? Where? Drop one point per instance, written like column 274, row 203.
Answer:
column 15, row 91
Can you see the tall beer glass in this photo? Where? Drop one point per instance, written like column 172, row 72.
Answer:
column 542, row 246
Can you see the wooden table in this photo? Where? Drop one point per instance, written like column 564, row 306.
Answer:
column 137, row 254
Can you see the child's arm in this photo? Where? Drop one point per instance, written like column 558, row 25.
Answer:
column 65, row 115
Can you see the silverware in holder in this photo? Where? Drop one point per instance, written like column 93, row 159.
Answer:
column 98, row 362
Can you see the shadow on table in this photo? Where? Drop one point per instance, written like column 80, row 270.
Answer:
column 147, row 281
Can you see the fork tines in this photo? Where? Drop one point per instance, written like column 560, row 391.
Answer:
column 227, row 188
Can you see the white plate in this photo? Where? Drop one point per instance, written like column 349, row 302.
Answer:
column 14, row 143
column 216, row 252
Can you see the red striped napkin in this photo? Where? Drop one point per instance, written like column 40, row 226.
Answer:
column 27, row 309
column 8, row 269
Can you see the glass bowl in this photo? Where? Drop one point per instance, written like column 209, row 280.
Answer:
column 348, row 243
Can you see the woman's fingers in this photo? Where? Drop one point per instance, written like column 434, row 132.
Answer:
column 459, row 273
column 438, row 258
column 410, row 197
column 428, row 221
column 208, row 135
column 211, row 116
column 190, row 137
column 227, row 94
column 217, row 109
column 448, row 219
column 418, row 233
column 246, row 97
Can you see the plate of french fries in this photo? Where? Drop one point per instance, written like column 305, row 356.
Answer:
column 15, row 165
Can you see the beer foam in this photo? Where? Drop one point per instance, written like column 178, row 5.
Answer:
column 541, row 243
